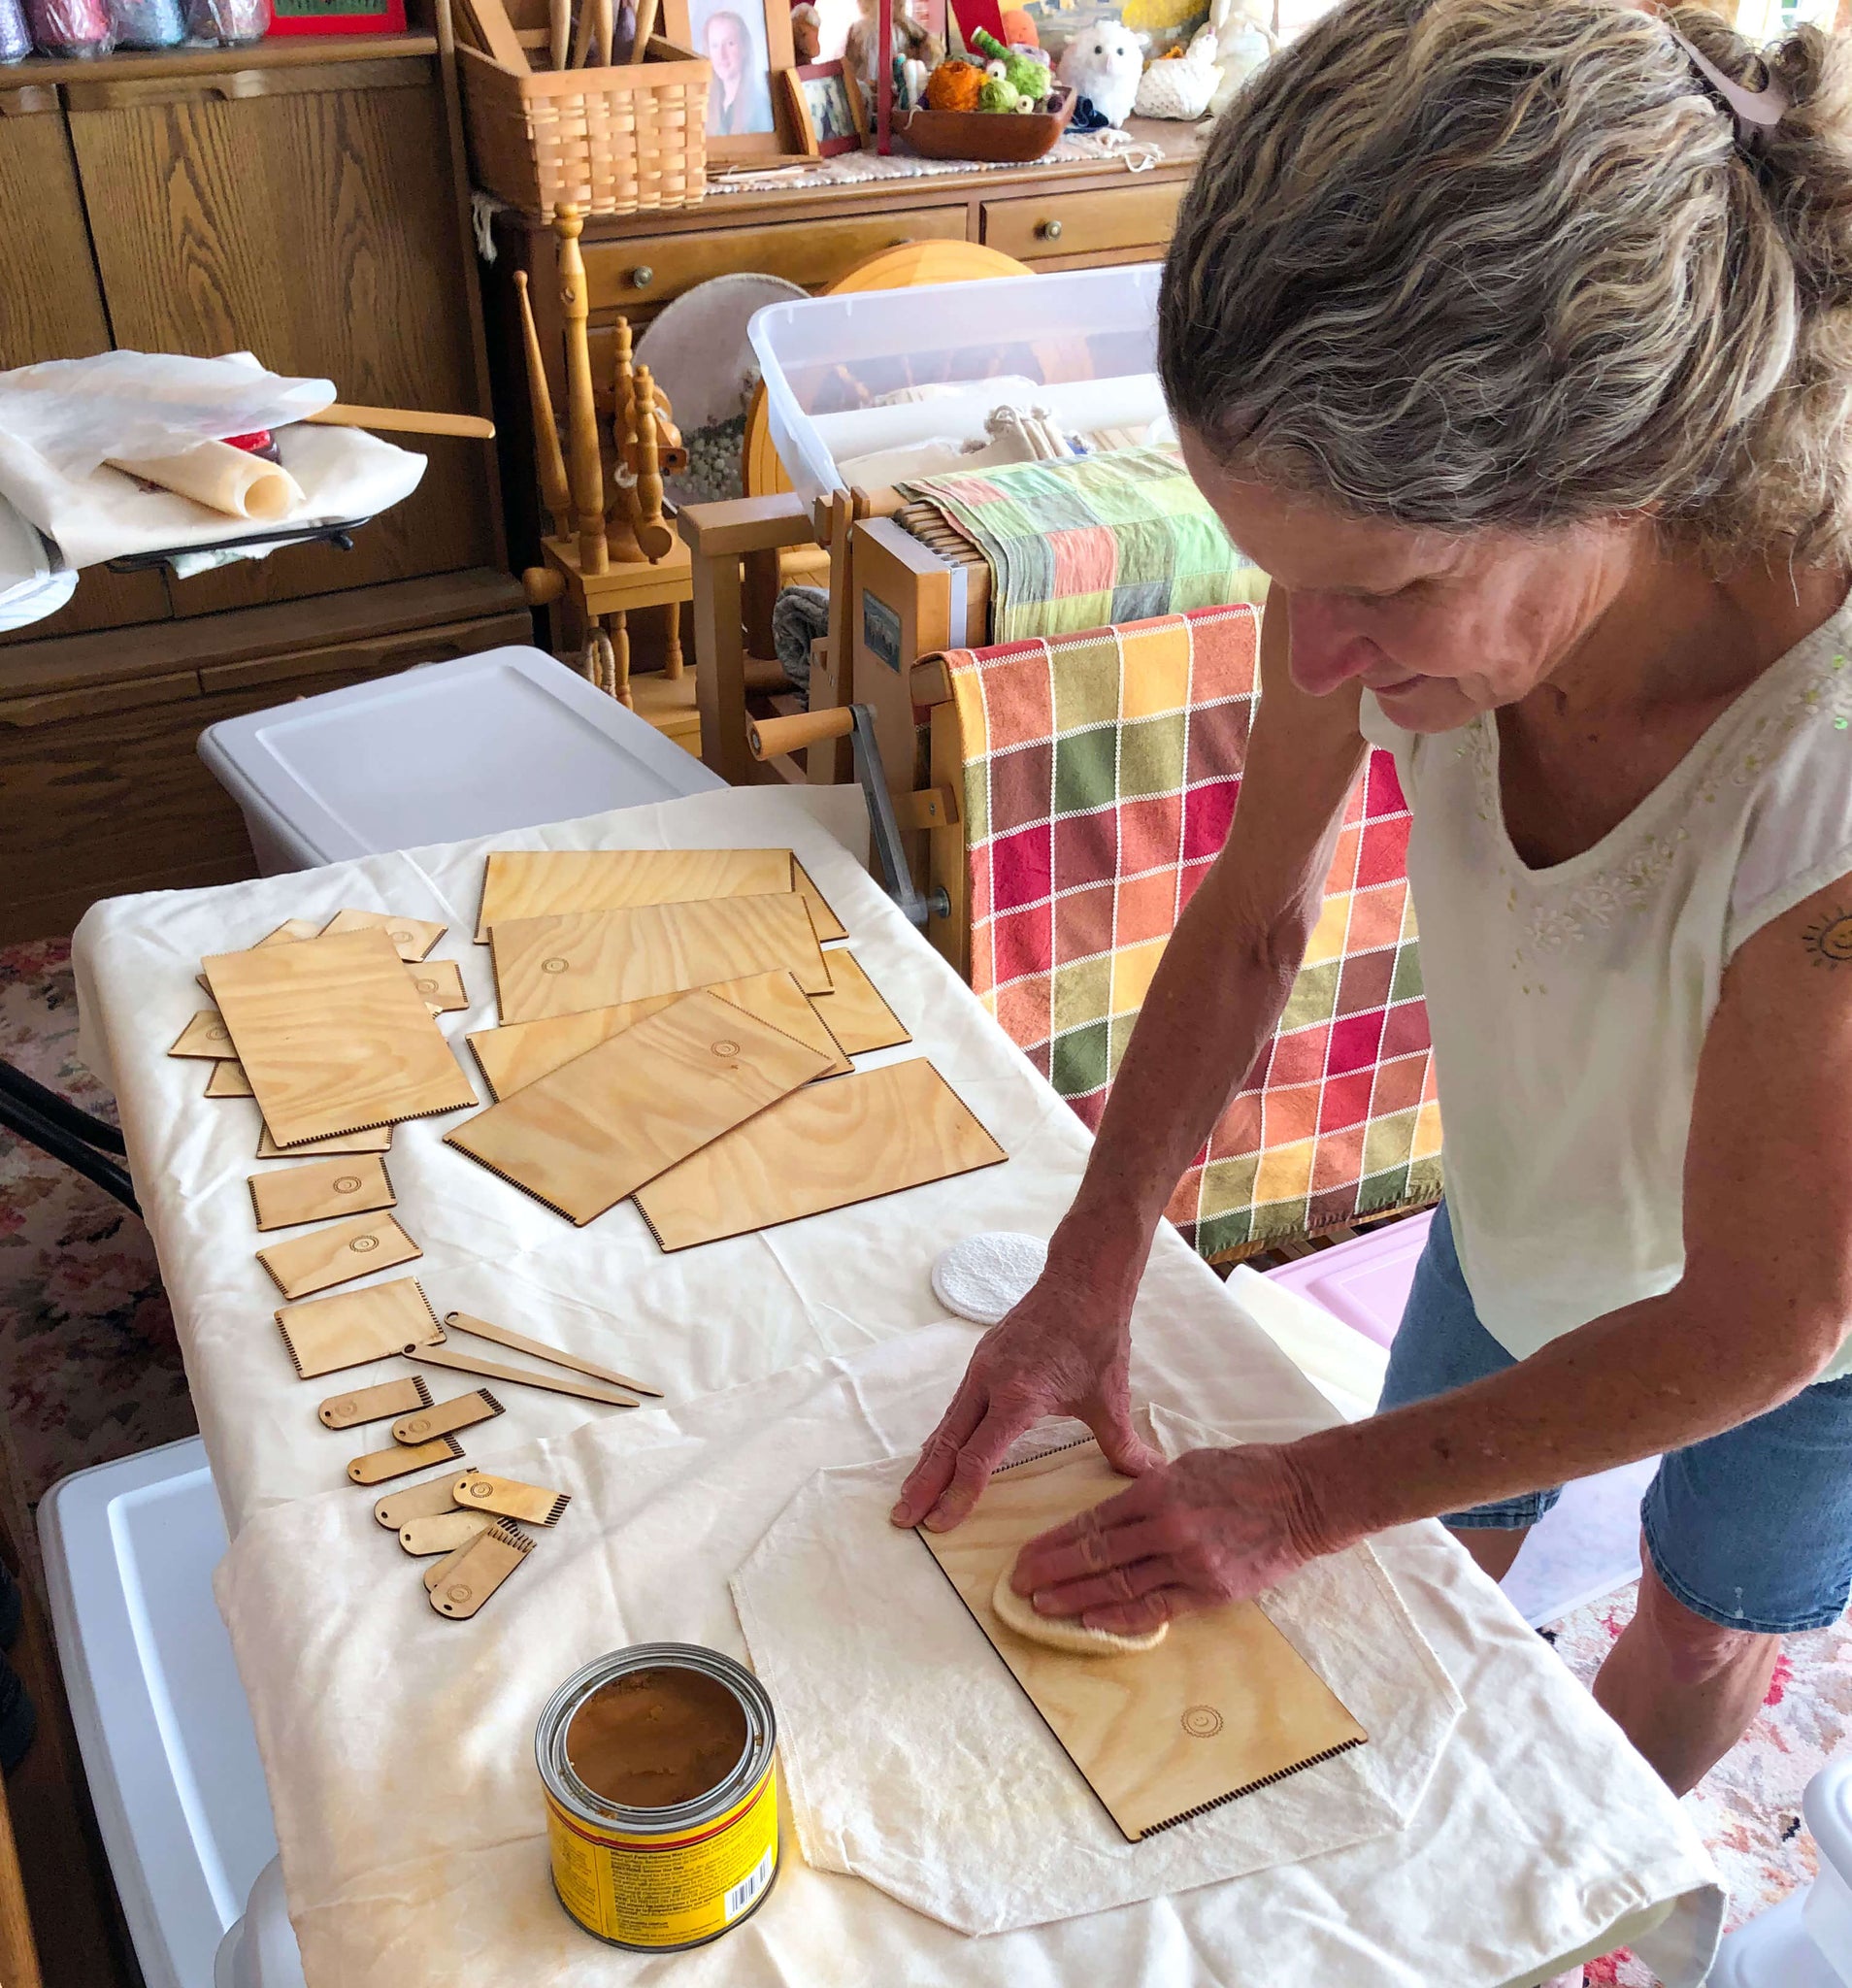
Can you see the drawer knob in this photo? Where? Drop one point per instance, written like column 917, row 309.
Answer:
column 1049, row 231
column 641, row 276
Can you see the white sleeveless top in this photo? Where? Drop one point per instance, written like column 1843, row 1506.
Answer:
column 1568, row 1004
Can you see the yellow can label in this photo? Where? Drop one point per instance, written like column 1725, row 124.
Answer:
column 667, row 1891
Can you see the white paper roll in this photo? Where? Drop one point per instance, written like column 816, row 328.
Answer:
column 229, row 480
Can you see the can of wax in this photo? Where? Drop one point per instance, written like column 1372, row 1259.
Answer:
column 662, row 1795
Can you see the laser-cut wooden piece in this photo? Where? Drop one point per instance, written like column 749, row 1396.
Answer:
column 381, row 1465
column 510, row 1497
column 519, row 1343
column 1223, row 1706
column 337, row 1254
column 417, row 1501
column 438, row 1569
column 440, row 985
column 412, row 937
column 228, row 1080
column 348, row 1331
column 534, row 883
column 593, row 1131
column 313, row 1192
column 827, row 1147
column 334, row 1037
column 512, row 1058
column 374, row 1404
column 206, row 1035
column 444, row 1531
column 598, row 959
column 445, row 1418
column 479, row 1569
column 289, row 932
column 369, row 1138
column 855, row 1014
column 520, row 1376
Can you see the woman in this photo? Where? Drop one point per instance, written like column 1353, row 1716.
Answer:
column 1526, row 372
column 738, row 100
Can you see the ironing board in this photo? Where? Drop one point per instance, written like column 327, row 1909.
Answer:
column 739, row 1314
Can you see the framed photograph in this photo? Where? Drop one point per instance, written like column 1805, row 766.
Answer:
column 826, row 108
column 745, row 43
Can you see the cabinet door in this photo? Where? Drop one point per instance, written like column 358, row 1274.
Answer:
column 303, row 214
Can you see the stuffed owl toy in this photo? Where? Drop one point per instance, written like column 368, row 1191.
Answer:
column 1102, row 66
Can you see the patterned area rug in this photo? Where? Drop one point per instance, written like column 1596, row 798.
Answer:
column 89, row 1369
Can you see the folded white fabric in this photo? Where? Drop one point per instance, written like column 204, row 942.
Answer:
column 884, row 1786
column 399, row 1747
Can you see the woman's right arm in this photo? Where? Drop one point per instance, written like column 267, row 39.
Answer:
column 1216, row 1000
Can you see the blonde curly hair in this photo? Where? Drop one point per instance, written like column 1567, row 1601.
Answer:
column 1490, row 263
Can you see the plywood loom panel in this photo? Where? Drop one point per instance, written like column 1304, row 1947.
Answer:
column 513, row 1057
column 1223, row 1706
column 353, row 1327
column 412, row 937
column 856, row 1014
column 334, row 1037
column 534, row 883
column 313, row 1192
column 228, row 1080
column 338, row 1253
column 372, row 1139
column 440, row 985
column 596, row 1129
column 870, row 1134
column 567, row 964
column 206, row 1035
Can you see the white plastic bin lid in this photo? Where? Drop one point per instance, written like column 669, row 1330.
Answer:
column 161, row 1718
column 826, row 353
column 507, row 738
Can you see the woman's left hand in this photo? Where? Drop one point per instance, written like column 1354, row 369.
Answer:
column 1216, row 1526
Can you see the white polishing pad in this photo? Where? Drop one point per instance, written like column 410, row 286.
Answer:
column 1065, row 1632
column 985, row 1277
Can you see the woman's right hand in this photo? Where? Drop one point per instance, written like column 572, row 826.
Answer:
column 1064, row 1351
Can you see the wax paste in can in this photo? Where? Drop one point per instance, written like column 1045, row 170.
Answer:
column 662, row 1795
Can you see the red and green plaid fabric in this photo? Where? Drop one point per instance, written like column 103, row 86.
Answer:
column 1100, row 778
column 1086, row 540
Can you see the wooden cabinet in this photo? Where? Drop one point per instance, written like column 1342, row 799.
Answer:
column 1125, row 223
column 51, row 302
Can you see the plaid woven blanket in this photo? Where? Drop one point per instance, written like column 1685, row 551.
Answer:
column 1100, row 778
column 1092, row 539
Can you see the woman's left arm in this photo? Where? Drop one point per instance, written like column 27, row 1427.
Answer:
column 1764, row 1304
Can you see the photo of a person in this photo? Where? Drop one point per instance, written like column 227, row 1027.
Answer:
column 732, row 40
column 830, row 112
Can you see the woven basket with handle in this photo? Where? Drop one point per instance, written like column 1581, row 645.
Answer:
column 608, row 141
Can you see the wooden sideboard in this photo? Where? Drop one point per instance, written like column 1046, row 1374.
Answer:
column 1051, row 216
column 303, row 200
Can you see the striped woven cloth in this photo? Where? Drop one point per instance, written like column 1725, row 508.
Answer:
column 1088, row 540
column 1100, row 778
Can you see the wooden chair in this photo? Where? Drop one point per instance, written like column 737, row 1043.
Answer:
column 612, row 550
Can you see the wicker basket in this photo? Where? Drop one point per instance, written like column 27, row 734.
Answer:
column 608, row 141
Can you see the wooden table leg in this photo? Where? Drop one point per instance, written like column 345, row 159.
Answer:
column 671, row 646
column 618, row 621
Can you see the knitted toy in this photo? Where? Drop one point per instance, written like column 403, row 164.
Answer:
column 1102, row 66
column 1029, row 78
column 1182, row 84
column 1019, row 28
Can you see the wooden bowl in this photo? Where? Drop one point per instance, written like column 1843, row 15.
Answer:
column 994, row 137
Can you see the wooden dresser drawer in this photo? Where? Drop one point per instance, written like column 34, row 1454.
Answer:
column 1046, row 225
column 648, row 269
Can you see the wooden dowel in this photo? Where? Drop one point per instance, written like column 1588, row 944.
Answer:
column 581, row 34
column 582, row 415
column 646, row 27
column 519, row 1343
column 402, row 421
column 604, row 27
column 554, row 487
column 497, row 29
column 559, row 20
column 520, row 1376
column 772, row 737
column 653, row 536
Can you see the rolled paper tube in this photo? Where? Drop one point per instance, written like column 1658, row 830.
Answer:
column 224, row 478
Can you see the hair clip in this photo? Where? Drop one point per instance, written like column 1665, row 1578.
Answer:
column 1757, row 112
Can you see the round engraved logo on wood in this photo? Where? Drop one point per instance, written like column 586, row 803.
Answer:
column 552, row 966
column 725, row 1049
column 346, row 1183
column 362, row 1243
column 418, row 1427
column 1202, row 1721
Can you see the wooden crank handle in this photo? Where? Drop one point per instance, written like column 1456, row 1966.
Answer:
column 768, row 738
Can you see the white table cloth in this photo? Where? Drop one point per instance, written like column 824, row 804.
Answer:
column 1542, row 1829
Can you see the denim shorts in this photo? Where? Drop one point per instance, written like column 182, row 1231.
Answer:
column 1751, row 1529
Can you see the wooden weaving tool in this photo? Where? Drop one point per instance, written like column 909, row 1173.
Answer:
column 417, row 1501
column 334, row 1037
column 412, row 937
column 593, row 1131
column 372, row 1139
column 823, row 1148
column 519, row 1377
column 326, row 1187
column 510, row 1497
column 337, row 1254
column 380, row 1465
column 206, row 1035
column 534, row 883
column 444, row 1531
column 519, row 1343
column 1223, row 1706
column 855, row 1014
column 228, row 1080
column 597, row 959
column 478, row 1570
column 445, row 1418
column 358, row 1326
column 374, row 1404
column 440, row 981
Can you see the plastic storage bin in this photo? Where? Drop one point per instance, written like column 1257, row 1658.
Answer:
column 826, row 353
column 509, row 739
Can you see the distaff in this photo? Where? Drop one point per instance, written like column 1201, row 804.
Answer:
column 1573, row 539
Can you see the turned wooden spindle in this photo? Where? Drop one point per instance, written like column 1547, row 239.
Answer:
column 652, row 535
column 581, row 415
column 554, row 487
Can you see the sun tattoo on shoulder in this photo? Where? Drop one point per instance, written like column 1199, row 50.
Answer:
column 1830, row 938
